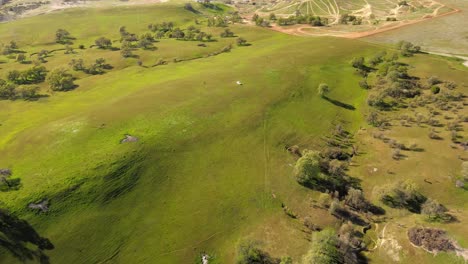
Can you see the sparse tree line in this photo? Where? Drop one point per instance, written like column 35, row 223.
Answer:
column 315, row 21
column 346, row 19
column 19, row 84
column 393, row 88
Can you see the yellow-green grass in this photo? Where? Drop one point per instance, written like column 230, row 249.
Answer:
column 434, row 169
column 210, row 167
column 210, row 154
column 448, row 33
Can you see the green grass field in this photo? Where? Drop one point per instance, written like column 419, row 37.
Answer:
column 210, row 168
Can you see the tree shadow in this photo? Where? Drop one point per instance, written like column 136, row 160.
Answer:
column 10, row 185
column 340, row 104
column 17, row 236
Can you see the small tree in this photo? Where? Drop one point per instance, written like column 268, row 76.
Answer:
column 21, row 58
column 62, row 36
column 464, row 170
column 323, row 90
column 358, row 63
column 434, row 210
column 60, row 80
column 145, row 43
column 324, row 249
column 272, row 17
column 103, row 43
column 227, row 33
column 355, row 199
column 307, row 169
column 126, row 53
column 241, row 42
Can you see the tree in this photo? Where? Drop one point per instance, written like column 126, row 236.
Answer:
column 272, row 16
column 363, row 84
column 358, row 63
column 249, row 253
column 21, row 58
column 27, row 92
column 241, row 42
column 77, row 65
column 42, row 55
column 324, row 249
column 355, row 199
column 435, row 89
column 434, row 210
column 126, row 53
column 402, row 195
column 464, row 170
column 323, row 90
column 62, row 36
column 307, row 168
column 68, row 50
column 433, row 80
column 145, row 43
column 227, row 33
column 60, row 80
column 33, row 75
column 255, row 17
column 7, row 90
column 103, row 43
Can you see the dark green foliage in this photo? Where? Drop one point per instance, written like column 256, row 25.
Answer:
column 346, row 19
column 103, row 43
column 60, row 80
column 227, row 33
column 318, row 172
column 241, row 42
column 435, row 89
column 249, row 253
column 189, row 7
column 363, row 84
column 407, row 49
column 307, row 169
column 21, row 240
column 36, row 74
column 9, row 48
column 303, row 19
column 21, row 58
column 63, row 37
column 77, row 65
column 324, row 249
column 402, row 195
column 7, row 90
column 435, row 211
column 217, row 21
column 11, row 91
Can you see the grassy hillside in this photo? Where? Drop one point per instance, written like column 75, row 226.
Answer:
column 210, row 152
column 209, row 168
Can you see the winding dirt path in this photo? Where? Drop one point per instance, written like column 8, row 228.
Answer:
column 307, row 30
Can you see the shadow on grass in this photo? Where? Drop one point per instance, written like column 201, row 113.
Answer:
column 340, row 104
column 18, row 236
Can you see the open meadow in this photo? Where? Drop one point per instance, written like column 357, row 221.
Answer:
column 164, row 150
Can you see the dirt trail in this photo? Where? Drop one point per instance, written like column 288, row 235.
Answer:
column 305, row 30
column 465, row 58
